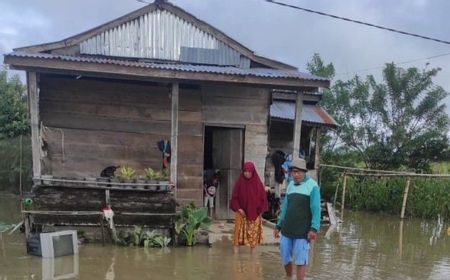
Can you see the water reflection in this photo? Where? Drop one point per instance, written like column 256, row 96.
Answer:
column 364, row 246
column 66, row 267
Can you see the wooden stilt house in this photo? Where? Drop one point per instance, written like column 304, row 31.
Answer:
column 108, row 95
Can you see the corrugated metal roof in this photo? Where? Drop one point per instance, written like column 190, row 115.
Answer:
column 160, row 34
column 310, row 113
column 225, row 70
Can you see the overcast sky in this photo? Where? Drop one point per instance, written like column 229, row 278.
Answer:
column 276, row 32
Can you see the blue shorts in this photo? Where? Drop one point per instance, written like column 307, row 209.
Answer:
column 296, row 250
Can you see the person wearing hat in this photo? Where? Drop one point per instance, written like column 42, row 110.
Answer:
column 299, row 220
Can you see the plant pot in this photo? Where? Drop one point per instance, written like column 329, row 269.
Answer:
column 163, row 185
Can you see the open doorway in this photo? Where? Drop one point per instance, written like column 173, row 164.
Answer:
column 223, row 154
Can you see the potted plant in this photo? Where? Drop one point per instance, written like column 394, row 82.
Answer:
column 163, row 179
column 127, row 174
column 151, row 175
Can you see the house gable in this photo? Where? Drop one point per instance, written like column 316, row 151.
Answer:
column 160, row 31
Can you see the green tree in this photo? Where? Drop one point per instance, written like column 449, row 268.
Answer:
column 328, row 137
column 399, row 123
column 13, row 109
column 317, row 67
column 405, row 122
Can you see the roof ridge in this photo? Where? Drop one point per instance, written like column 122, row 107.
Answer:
column 171, row 8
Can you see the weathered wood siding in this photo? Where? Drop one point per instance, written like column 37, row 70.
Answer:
column 241, row 106
column 86, row 199
column 190, row 148
column 91, row 124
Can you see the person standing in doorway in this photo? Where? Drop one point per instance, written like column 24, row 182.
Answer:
column 299, row 220
column 210, row 187
column 248, row 201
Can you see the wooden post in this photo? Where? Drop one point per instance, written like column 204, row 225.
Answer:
column 297, row 126
column 317, row 152
column 107, row 199
column 343, row 196
column 405, row 197
column 174, row 136
column 20, row 166
column 102, row 229
column 33, row 97
column 336, row 191
column 400, row 239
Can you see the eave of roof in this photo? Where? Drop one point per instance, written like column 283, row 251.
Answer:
column 107, row 65
column 314, row 114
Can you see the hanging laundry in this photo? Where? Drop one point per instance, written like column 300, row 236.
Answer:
column 164, row 147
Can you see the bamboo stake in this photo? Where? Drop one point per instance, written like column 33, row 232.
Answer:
column 343, row 196
column 336, row 192
column 405, row 197
column 400, row 239
column 20, row 166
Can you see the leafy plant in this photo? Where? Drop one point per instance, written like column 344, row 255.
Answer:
column 138, row 237
column 13, row 107
column 160, row 241
column 149, row 173
column 127, row 172
column 156, row 175
column 191, row 220
column 398, row 123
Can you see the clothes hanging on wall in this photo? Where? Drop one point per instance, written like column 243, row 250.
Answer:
column 164, row 147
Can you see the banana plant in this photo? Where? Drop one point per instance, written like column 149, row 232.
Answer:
column 191, row 221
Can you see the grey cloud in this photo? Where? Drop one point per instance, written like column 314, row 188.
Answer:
column 276, row 32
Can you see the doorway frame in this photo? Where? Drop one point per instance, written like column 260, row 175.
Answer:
column 224, row 126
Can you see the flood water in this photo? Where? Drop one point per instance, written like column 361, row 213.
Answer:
column 364, row 246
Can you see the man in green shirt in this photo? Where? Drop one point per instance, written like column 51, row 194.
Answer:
column 299, row 219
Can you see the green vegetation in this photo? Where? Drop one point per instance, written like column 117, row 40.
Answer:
column 13, row 107
column 13, row 123
column 442, row 167
column 127, row 172
column 192, row 219
column 10, row 164
column 139, row 237
column 151, row 174
column 427, row 198
column 397, row 124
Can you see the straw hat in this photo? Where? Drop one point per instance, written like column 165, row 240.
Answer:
column 299, row 163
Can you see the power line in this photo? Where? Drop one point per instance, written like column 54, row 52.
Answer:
column 397, row 63
column 358, row 22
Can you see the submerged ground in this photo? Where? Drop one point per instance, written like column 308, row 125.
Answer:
column 364, row 246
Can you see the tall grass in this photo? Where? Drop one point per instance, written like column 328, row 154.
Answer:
column 442, row 167
column 10, row 164
column 427, row 198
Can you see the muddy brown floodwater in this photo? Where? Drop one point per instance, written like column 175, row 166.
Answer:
column 364, row 246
